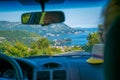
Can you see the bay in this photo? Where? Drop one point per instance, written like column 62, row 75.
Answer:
column 77, row 39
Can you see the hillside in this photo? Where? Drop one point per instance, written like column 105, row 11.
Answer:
column 24, row 36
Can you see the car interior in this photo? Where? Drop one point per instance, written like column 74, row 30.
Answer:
column 19, row 62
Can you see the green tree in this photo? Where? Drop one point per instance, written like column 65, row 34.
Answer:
column 18, row 49
column 4, row 45
column 56, row 50
column 101, row 32
column 93, row 38
column 75, row 48
column 42, row 46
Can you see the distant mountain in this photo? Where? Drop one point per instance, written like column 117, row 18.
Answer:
column 5, row 25
column 50, row 30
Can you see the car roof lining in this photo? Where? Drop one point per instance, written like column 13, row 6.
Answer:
column 33, row 2
column 29, row 5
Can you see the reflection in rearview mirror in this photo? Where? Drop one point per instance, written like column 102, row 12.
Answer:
column 43, row 18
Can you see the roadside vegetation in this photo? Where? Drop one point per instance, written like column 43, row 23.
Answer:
column 19, row 49
column 40, row 47
column 93, row 38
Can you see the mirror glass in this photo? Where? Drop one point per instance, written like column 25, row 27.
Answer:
column 43, row 18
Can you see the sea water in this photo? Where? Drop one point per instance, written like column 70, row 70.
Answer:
column 78, row 39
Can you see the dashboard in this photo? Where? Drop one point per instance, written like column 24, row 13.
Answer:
column 54, row 68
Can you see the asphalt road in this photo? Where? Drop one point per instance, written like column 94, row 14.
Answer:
column 74, row 53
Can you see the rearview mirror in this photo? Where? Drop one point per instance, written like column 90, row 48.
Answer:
column 43, row 18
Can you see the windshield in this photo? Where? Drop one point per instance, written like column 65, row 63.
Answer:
column 79, row 32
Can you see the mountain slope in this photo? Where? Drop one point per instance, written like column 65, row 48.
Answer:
column 23, row 36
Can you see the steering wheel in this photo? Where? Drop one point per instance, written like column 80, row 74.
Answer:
column 14, row 64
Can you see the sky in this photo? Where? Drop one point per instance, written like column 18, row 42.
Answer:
column 84, row 17
column 77, row 17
